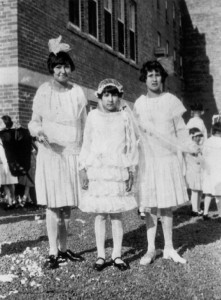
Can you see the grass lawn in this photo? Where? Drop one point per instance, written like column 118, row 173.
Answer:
column 24, row 246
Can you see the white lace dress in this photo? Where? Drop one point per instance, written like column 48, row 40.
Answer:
column 61, row 115
column 212, row 166
column 109, row 151
column 163, row 132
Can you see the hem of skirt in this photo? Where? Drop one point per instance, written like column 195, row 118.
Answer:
column 105, row 211
column 56, row 206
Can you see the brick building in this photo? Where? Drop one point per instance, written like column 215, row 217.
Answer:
column 201, row 21
column 109, row 38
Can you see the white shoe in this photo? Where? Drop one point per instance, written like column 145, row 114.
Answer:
column 148, row 258
column 172, row 254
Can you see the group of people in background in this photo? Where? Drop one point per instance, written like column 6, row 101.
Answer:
column 115, row 160
column 17, row 164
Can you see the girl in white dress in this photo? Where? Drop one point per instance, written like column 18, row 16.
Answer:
column 212, row 169
column 196, row 120
column 107, row 161
column 58, row 119
column 194, row 171
column 161, row 184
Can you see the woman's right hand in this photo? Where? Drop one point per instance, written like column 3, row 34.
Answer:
column 84, row 179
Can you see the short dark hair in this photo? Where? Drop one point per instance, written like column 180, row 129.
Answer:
column 61, row 58
column 8, row 121
column 149, row 66
column 110, row 89
column 216, row 127
column 194, row 130
column 197, row 106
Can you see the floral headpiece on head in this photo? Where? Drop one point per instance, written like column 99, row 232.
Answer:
column 108, row 82
column 55, row 46
column 167, row 64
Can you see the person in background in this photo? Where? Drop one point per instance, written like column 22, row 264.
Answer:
column 212, row 169
column 59, row 115
column 194, row 172
column 7, row 146
column 196, row 121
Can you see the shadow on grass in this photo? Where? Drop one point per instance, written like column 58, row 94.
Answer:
column 186, row 235
column 19, row 247
column 20, row 214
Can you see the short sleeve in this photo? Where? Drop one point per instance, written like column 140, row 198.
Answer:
column 39, row 98
column 177, row 108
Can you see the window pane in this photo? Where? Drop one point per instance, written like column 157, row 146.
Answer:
column 74, row 12
column 108, row 27
column 121, row 37
column 108, row 5
column 132, row 17
column 92, row 17
column 121, row 11
column 132, row 45
column 158, row 39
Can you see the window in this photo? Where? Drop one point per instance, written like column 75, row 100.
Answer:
column 132, row 30
column 167, row 48
column 75, row 12
column 174, row 14
column 92, row 17
column 158, row 39
column 158, row 4
column 121, row 26
column 166, row 11
column 181, row 66
column 108, row 22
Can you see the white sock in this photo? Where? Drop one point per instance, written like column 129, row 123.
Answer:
column 151, row 223
column 117, row 233
column 167, row 225
column 207, row 201
column 100, row 229
column 52, row 218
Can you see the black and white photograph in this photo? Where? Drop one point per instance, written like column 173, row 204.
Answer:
column 110, row 149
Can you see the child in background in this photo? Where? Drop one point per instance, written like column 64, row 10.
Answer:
column 194, row 172
column 212, row 169
column 107, row 162
column 7, row 179
column 196, row 120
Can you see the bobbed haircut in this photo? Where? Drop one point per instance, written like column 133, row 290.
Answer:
column 194, row 130
column 7, row 121
column 196, row 106
column 152, row 65
column 61, row 58
column 110, row 89
column 216, row 128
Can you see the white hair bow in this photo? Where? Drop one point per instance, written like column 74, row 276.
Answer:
column 55, row 45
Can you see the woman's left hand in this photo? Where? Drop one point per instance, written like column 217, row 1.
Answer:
column 129, row 182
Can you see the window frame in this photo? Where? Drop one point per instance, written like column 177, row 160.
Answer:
column 97, row 27
column 110, row 12
column 121, row 22
column 79, row 14
column 132, row 30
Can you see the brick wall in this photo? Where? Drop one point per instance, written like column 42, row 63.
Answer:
column 202, row 48
column 8, row 56
column 41, row 20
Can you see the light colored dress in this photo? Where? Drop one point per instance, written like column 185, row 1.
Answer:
column 194, row 172
column 109, row 151
column 197, row 122
column 212, row 166
column 163, row 132
column 6, row 177
column 60, row 114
